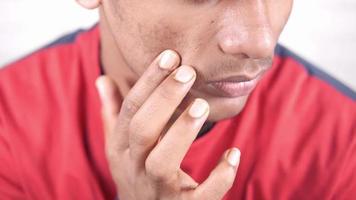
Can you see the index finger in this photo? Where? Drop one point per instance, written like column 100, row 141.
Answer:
column 158, row 70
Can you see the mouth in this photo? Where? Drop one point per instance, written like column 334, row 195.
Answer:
column 232, row 87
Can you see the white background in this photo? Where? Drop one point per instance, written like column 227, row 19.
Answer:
column 322, row 31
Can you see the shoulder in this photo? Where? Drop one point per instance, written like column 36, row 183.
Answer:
column 306, row 119
column 311, row 106
column 48, row 68
column 44, row 80
column 308, row 95
column 287, row 58
column 305, row 104
column 48, row 103
column 45, row 62
column 295, row 85
column 48, row 60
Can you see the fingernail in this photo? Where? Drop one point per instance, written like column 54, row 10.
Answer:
column 199, row 108
column 233, row 157
column 184, row 74
column 167, row 60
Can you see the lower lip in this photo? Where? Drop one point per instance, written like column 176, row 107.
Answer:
column 235, row 89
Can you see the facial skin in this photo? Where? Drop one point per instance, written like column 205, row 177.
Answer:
column 219, row 38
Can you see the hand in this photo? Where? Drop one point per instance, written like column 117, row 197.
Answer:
column 143, row 153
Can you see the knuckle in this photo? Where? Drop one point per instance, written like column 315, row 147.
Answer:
column 155, row 170
column 129, row 105
column 140, row 139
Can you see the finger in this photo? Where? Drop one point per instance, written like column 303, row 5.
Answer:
column 110, row 101
column 174, row 145
column 221, row 178
column 160, row 68
column 149, row 121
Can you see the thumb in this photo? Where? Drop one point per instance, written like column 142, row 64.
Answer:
column 221, row 178
column 110, row 101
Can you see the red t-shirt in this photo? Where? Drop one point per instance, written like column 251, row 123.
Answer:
column 296, row 134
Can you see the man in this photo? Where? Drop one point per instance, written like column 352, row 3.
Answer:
column 182, row 88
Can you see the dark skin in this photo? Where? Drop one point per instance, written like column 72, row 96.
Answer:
column 155, row 103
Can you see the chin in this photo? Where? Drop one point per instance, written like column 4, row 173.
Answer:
column 223, row 108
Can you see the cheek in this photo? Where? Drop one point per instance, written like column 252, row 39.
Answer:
column 280, row 14
column 146, row 40
column 159, row 36
column 141, row 33
column 156, row 38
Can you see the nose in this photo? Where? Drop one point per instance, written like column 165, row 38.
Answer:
column 246, row 30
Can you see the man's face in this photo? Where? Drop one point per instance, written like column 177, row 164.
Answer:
column 226, row 41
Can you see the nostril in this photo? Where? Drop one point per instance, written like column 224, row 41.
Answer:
column 229, row 46
column 232, row 43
